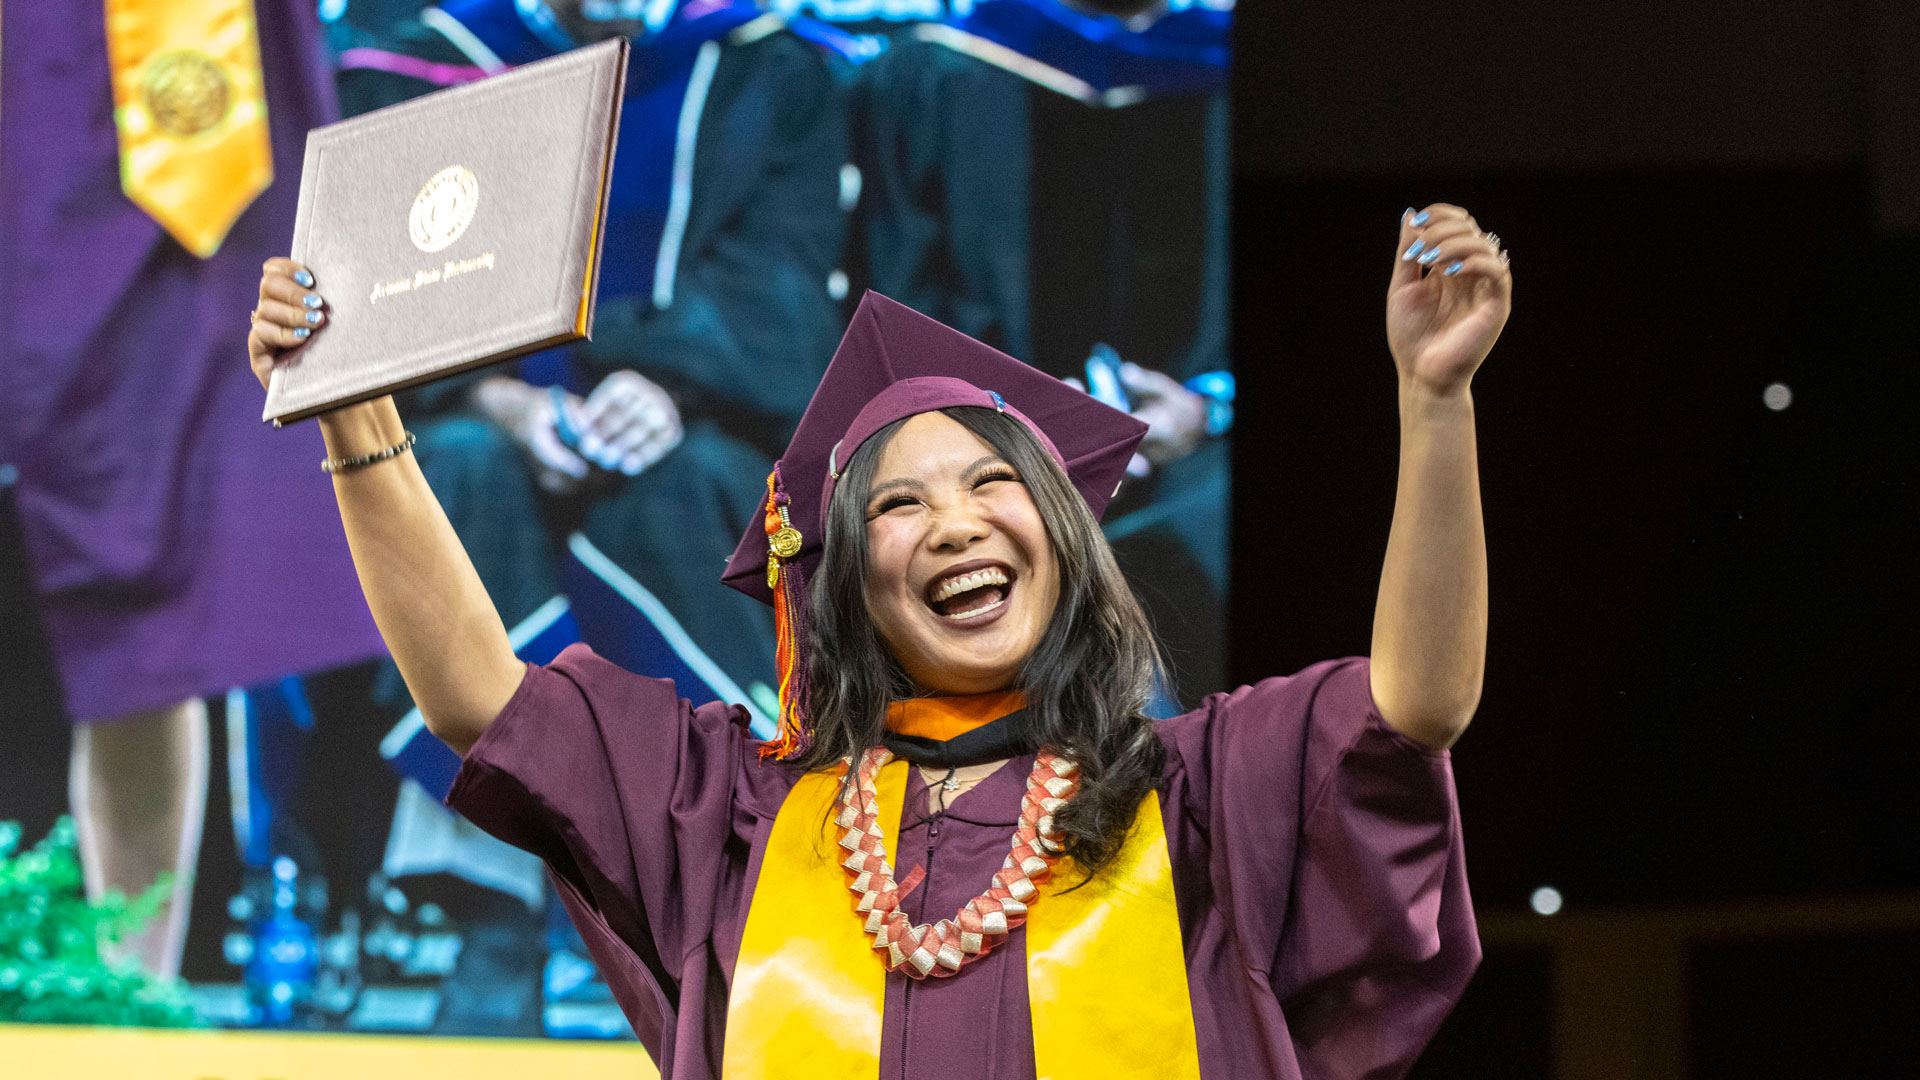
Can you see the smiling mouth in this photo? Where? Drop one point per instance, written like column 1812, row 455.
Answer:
column 970, row 595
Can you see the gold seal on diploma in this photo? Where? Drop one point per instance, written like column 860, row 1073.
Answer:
column 444, row 208
column 186, row 92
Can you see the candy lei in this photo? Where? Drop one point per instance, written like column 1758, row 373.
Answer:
column 940, row 949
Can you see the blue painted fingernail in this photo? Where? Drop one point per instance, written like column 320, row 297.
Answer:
column 311, row 299
column 1427, row 259
column 1454, row 269
column 301, row 331
column 314, row 317
column 1408, row 254
column 1421, row 218
column 305, row 279
column 1407, row 214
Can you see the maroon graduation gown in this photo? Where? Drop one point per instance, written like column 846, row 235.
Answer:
column 1316, row 857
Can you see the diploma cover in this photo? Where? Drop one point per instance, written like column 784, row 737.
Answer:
column 453, row 231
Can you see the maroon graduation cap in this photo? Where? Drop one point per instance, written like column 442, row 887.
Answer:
column 893, row 363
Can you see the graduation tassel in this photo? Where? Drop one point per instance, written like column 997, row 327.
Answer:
column 788, row 584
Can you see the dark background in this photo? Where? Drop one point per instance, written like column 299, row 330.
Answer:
column 1701, row 677
column 1701, row 683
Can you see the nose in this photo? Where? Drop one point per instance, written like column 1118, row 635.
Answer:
column 956, row 526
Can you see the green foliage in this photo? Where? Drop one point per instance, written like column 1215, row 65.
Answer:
column 51, row 967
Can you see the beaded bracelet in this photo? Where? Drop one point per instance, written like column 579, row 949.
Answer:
column 348, row 464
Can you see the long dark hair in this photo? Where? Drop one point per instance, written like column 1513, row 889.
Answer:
column 1087, row 681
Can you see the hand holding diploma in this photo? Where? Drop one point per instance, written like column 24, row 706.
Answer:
column 288, row 314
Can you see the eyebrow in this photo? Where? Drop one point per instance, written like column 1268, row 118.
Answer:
column 981, row 463
column 902, row 484
column 906, row 483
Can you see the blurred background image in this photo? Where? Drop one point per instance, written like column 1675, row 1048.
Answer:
column 1052, row 178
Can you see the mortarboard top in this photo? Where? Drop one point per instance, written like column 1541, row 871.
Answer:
column 895, row 362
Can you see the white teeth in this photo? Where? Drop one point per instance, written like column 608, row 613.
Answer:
column 953, row 587
column 977, row 612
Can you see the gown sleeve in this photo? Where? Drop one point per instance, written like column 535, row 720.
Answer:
column 626, row 791
column 1335, row 852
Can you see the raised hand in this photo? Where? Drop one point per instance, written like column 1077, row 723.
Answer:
column 289, row 313
column 1449, row 297
column 430, row 605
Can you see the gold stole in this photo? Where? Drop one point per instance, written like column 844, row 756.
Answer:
column 1106, row 975
column 191, row 109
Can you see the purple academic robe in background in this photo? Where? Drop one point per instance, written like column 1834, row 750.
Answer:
column 1316, row 858
column 178, row 546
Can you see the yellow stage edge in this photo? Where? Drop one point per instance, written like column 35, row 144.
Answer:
column 45, row 1052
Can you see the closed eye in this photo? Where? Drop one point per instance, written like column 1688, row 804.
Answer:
column 995, row 474
column 885, row 505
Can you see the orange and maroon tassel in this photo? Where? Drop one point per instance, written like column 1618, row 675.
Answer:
column 787, row 581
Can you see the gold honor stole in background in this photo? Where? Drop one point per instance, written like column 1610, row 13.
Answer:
column 1106, row 975
column 191, row 110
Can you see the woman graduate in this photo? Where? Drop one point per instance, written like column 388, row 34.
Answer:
column 970, row 853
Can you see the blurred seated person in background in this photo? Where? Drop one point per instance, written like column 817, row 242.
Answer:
column 1052, row 178
column 714, row 317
